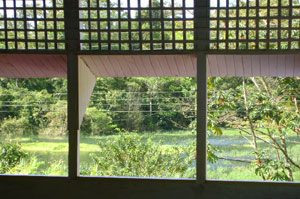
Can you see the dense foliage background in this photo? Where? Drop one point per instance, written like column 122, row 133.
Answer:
column 32, row 106
column 264, row 112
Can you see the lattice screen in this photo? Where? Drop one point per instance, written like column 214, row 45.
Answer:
column 136, row 25
column 32, row 25
column 254, row 24
column 150, row 25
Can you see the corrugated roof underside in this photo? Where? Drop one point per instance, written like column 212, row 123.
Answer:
column 32, row 66
column 41, row 66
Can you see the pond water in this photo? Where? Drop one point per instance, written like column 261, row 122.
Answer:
column 85, row 157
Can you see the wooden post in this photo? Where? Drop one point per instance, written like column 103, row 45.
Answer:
column 201, row 117
column 72, row 47
column 73, row 115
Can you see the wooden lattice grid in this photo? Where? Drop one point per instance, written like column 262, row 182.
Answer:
column 254, row 24
column 32, row 25
column 136, row 25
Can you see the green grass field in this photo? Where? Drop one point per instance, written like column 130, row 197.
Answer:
column 50, row 154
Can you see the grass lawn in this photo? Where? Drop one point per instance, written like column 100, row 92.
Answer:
column 52, row 152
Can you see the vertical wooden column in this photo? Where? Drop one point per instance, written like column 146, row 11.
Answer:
column 72, row 47
column 201, row 117
column 73, row 115
column 201, row 23
column 81, row 82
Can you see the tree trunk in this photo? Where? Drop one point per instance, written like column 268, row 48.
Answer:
column 254, row 144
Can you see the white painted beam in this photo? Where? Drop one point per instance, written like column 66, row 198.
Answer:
column 86, row 81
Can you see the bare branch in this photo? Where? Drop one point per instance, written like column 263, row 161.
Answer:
column 256, row 84
column 236, row 159
column 266, row 86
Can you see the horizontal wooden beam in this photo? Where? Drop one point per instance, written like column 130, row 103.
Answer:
column 59, row 187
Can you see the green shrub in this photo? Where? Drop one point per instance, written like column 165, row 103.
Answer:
column 130, row 155
column 17, row 126
column 56, row 121
column 56, row 168
column 96, row 123
column 10, row 155
column 27, row 166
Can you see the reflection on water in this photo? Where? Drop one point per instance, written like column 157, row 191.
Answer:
column 51, row 157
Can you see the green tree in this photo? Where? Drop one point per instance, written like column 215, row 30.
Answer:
column 266, row 115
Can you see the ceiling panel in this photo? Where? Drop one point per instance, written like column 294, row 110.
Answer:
column 42, row 66
column 32, row 66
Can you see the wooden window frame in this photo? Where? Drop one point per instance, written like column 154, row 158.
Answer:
column 185, row 188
